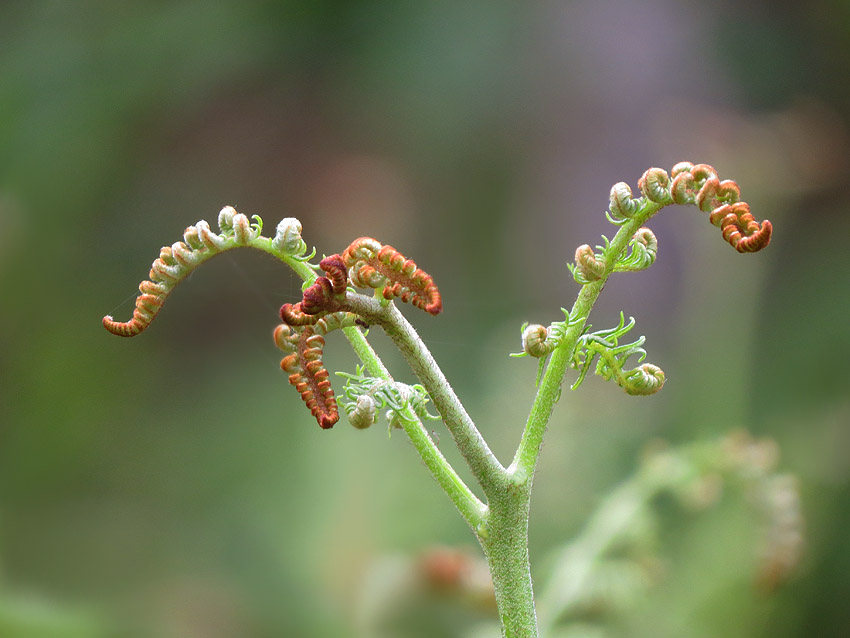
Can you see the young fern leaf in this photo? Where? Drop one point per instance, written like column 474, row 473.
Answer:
column 304, row 345
column 540, row 341
column 699, row 184
column 325, row 295
column 199, row 244
column 365, row 395
column 589, row 266
column 373, row 265
column 643, row 248
column 643, row 380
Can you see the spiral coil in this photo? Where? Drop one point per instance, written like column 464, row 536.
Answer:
column 373, row 265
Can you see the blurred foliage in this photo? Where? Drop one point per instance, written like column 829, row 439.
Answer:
column 173, row 486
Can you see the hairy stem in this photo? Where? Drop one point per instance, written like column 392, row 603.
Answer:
column 474, row 449
column 505, row 545
column 527, row 454
column 470, row 507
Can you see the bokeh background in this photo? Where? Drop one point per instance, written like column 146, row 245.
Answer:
column 173, row 484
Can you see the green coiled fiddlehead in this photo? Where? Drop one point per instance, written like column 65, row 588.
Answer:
column 603, row 347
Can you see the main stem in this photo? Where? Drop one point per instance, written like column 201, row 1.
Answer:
column 505, row 544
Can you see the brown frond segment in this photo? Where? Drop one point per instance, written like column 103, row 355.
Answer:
column 304, row 364
column 337, row 273
column 699, row 184
column 310, row 378
column 325, row 295
column 373, row 265
column 175, row 262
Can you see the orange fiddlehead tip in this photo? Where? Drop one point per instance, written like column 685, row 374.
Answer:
column 699, row 184
column 324, row 295
column 177, row 261
column 373, row 265
column 304, row 345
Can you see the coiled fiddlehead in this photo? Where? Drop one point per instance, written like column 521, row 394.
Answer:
column 643, row 248
column 540, row 341
column 324, row 296
column 373, row 265
column 643, row 380
column 175, row 262
column 699, row 184
column 200, row 243
column 589, row 266
column 364, row 395
column 304, row 345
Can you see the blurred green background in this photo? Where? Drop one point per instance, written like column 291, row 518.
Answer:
column 173, row 484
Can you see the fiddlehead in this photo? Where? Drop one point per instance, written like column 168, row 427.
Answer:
column 589, row 266
column 539, row 341
column 699, row 184
column 324, row 296
column 364, row 395
column 304, row 345
column 199, row 244
column 643, row 380
column 373, row 265
column 643, row 248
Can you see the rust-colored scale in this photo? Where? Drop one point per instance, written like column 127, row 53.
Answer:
column 373, row 265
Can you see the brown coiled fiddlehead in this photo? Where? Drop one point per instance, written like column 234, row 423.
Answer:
column 303, row 362
column 373, row 265
column 323, row 296
column 700, row 184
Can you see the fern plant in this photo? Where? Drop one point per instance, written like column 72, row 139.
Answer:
column 332, row 300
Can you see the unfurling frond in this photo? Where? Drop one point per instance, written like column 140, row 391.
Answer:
column 175, row 262
column 373, row 265
column 364, row 395
column 699, row 184
column 324, row 296
column 589, row 266
column 304, row 345
column 643, row 380
column 643, row 248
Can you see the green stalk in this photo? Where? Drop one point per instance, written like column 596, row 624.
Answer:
column 470, row 507
column 505, row 546
column 527, row 454
column 481, row 460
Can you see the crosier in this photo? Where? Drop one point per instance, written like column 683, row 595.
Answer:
column 331, row 301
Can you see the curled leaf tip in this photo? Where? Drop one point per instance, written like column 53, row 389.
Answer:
column 304, row 347
column 536, row 342
column 373, row 265
column 699, row 184
column 177, row 261
column 323, row 296
column 644, row 380
column 588, row 265
column 287, row 238
column 310, row 378
column 337, row 273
